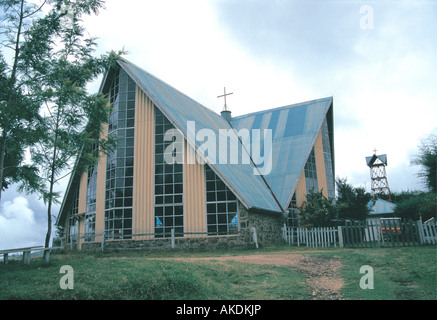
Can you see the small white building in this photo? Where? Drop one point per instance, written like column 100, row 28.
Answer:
column 380, row 209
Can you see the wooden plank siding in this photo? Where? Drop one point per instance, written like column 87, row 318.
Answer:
column 144, row 153
column 100, row 196
column 82, row 204
column 320, row 165
column 321, row 173
column 301, row 190
column 194, row 196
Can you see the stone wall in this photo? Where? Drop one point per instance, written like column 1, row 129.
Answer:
column 209, row 243
column 268, row 230
column 267, row 225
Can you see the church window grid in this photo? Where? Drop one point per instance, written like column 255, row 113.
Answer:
column 168, row 196
column 311, row 173
column 91, row 198
column 120, row 162
column 327, row 155
column 293, row 216
column 73, row 220
column 221, row 206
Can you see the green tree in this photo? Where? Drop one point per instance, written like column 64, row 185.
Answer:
column 351, row 202
column 416, row 205
column 19, row 118
column 317, row 211
column 427, row 159
column 73, row 118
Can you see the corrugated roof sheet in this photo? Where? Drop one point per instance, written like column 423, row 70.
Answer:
column 381, row 207
column 294, row 130
column 179, row 109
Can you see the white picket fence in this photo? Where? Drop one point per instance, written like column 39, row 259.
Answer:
column 428, row 232
column 367, row 234
column 314, row 237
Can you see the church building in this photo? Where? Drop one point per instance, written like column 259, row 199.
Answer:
column 181, row 172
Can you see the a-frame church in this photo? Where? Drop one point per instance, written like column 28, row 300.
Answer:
column 180, row 170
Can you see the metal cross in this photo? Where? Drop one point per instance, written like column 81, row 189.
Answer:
column 224, row 95
column 374, row 151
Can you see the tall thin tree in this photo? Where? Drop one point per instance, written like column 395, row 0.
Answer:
column 73, row 117
column 19, row 117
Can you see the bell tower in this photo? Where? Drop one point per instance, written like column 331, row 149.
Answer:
column 378, row 174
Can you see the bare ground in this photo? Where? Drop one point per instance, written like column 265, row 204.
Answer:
column 323, row 274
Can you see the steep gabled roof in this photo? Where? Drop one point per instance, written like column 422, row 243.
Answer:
column 294, row 131
column 251, row 190
column 381, row 206
column 371, row 160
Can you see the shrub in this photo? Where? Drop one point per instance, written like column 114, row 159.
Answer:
column 422, row 205
column 317, row 210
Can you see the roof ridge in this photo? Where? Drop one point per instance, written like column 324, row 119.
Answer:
column 282, row 108
column 167, row 84
column 131, row 69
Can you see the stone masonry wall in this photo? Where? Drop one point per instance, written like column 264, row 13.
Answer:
column 267, row 225
column 268, row 230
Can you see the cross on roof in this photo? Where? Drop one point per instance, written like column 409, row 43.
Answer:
column 224, row 95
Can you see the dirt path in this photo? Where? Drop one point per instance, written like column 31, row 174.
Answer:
column 323, row 274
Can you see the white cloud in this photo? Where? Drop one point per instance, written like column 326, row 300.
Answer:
column 281, row 53
column 188, row 48
column 18, row 226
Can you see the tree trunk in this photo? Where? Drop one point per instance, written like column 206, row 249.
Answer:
column 12, row 82
column 52, row 178
column 2, row 159
column 49, row 224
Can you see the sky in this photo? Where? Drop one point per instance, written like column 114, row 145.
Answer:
column 377, row 59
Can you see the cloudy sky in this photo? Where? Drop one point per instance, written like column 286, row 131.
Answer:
column 376, row 58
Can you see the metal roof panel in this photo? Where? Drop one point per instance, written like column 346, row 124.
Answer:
column 294, row 130
column 180, row 109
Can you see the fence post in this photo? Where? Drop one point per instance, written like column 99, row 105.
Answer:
column 411, row 232
column 425, row 233
column 255, row 238
column 103, row 241
column 324, row 237
column 319, row 238
column 340, row 236
column 429, row 233
column 334, row 238
column 312, row 237
column 420, row 231
column 297, row 236
column 432, row 230
column 172, row 238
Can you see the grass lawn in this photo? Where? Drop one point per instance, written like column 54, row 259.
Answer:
column 399, row 274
